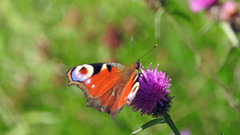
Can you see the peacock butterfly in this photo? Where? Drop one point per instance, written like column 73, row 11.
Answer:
column 108, row 87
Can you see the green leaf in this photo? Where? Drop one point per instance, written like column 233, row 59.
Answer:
column 149, row 124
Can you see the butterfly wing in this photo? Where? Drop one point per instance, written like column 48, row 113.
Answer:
column 108, row 87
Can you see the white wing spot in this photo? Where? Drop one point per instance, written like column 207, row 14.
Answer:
column 93, row 86
column 104, row 66
column 133, row 92
column 113, row 93
column 88, row 81
column 135, row 77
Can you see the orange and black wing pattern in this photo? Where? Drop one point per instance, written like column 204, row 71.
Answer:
column 108, row 87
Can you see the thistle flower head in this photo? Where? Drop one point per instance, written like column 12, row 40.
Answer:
column 152, row 97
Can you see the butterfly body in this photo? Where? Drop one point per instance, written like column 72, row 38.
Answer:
column 108, row 87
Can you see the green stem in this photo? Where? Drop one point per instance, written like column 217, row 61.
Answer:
column 170, row 123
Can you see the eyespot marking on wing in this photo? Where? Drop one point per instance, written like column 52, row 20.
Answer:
column 83, row 70
column 81, row 73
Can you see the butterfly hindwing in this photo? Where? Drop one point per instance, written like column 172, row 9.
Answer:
column 126, row 95
column 108, row 87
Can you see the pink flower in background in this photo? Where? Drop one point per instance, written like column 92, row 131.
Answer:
column 111, row 37
column 228, row 9
column 185, row 132
column 152, row 97
column 198, row 5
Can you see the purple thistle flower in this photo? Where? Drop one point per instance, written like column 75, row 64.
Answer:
column 152, row 97
column 198, row 5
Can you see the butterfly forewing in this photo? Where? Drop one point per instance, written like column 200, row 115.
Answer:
column 108, row 87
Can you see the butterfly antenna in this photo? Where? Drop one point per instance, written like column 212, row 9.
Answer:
column 132, row 47
column 148, row 51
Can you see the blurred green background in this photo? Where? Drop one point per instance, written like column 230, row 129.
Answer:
column 41, row 39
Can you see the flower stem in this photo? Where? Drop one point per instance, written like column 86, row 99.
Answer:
column 170, row 123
